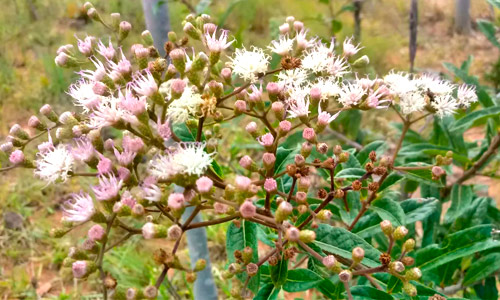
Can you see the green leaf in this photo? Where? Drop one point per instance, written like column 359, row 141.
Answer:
column 351, row 173
column 422, row 176
column 417, row 209
column 461, row 198
column 301, row 280
column 183, row 132
column 467, row 121
column 494, row 3
column 268, row 292
column 456, row 245
column 284, row 157
column 388, row 209
column 339, row 241
column 390, row 180
column 430, row 150
column 482, row 268
column 336, row 26
column 489, row 30
column 238, row 239
column 362, row 292
column 363, row 155
column 279, row 272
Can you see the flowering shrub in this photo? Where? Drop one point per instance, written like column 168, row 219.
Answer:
column 310, row 200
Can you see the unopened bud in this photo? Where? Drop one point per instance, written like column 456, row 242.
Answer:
column 386, row 227
column 409, row 245
column 396, row 266
column 307, row 236
column 400, row 233
column 345, row 275
column 358, row 254
column 413, row 274
column 252, row 269
column 409, row 289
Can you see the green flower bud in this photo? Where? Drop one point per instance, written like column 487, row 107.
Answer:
column 307, row 236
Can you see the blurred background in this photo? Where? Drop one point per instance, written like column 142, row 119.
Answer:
column 32, row 30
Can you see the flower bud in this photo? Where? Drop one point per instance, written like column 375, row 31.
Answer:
column 345, row 275
column 67, row 118
column 178, row 59
column 306, row 149
column 124, row 29
column 300, row 161
column 252, row 269
column 315, row 96
column 226, row 74
column 304, row 183
column 309, row 135
column 151, row 231
column 7, row 147
column 409, row 289
column 177, row 88
column 240, row 106
column 400, row 233
column 437, row 172
column 357, row 185
column 17, row 131
column 252, row 129
column 408, row 261
column 293, row 234
column 17, row 157
column 273, row 89
column 358, row 254
column 47, row 111
column 82, row 268
column 147, row 38
column 343, row 157
column 396, row 266
column 190, row 30
column 283, row 211
column 386, row 227
column 270, row 185
column 307, row 236
column 174, row 232
column 204, row 184
column 150, row 292
column 247, row 209
column 247, row 254
column 413, row 274
column 409, row 245
column 330, row 262
column 96, row 233
column 322, row 148
column 301, row 197
column 268, row 160
column 361, row 62
column 284, row 28
column 284, row 127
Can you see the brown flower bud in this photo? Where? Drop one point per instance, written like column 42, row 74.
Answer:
column 289, row 253
column 238, row 255
column 150, row 292
column 322, row 193
column 373, row 187
column 369, row 167
column 339, row 193
column 437, row 297
column 337, row 149
column 373, row 156
column 273, row 260
column 191, row 277
column 110, row 282
column 291, row 170
column 408, row 261
column 357, row 185
column 385, row 259
column 380, row 171
column 252, row 269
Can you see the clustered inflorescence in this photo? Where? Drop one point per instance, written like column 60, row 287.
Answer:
column 148, row 99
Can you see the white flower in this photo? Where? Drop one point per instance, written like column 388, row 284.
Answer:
column 351, row 94
column 109, row 113
column 302, row 42
column 96, row 75
column 144, row 85
column 349, row 48
column 283, row 46
column 399, row 83
column 54, row 164
column 337, row 66
column 315, row 58
column 122, row 67
column 434, row 85
column 188, row 158
column 411, row 102
column 298, row 103
column 152, row 192
column 217, row 45
column 292, row 78
column 108, row 188
column 186, row 106
column 107, row 52
column 83, row 93
column 328, row 86
column 79, row 208
column 466, row 95
column 444, row 105
column 248, row 64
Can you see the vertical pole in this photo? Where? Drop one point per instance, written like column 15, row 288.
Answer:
column 157, row 21
column 357, row 19
column 413, row 33
column 462, row 17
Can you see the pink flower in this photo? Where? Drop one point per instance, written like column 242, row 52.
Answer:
column 285, row 126
column 220, row 208
column 309, row 135
column 164, row 129
column 108, row 52
column 79, row 208
column 217, row 45
column 270, row 185
column 125, row 158
column 144, row 85
column 266, row 140
column 268, row 159
column 128, row 199
column 176, row 201
column 105, row 165
column 84, row 149
column 123, row 174
column 247, row 209
column 243, row 183
column 96, row 232
column 131, row 103
column 204, row 184
column 349, row 48
column 246, row 162
column 251, row 127
column 80, row 268
column 329, row 261
column 108, row 188
column 16, row 157
column 131, row 144
column 149, row 230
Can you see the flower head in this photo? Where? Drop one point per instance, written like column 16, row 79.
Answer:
column 351, row 94
column 217, row 45
column 188, row 105
column 107, row 52
column 83, row 94
column 144, row 85
column 282, row 46
column 108, row 188
column 466, row 94
column 247, row 64
column 79, row 208
column 54, row 164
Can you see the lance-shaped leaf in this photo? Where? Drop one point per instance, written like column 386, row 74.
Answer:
column 301, row 280
column 461, row 198
column 482, row 268
column 279, row 272
column 456, row 245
